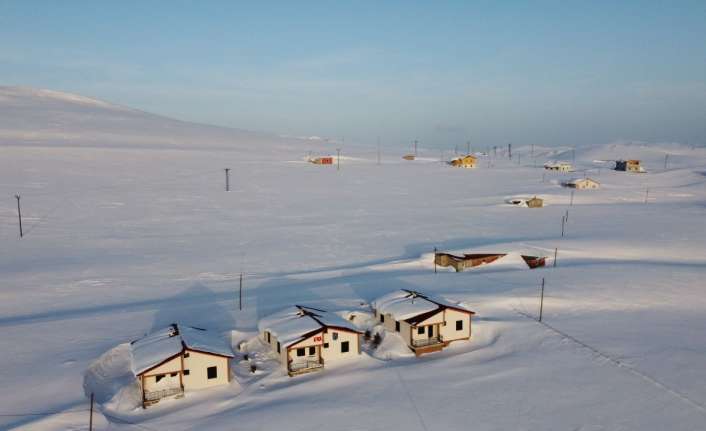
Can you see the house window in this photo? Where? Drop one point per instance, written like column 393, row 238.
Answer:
column 334, row 335
column 382, row 318
column 158, row 377
column 459, row 325
column 186, row 372
column 267, row 336
column 278, row 349
column 420, row 330
column 301, row 351
column 212, row 372
column 345, row 347
column 312, row 350
column 325, row 345
column 186, row 354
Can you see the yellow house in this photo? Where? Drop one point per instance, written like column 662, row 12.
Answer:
column 583, row 184
column 426, row 324
column 179, row 358
column 305, row 339
column 467, row 161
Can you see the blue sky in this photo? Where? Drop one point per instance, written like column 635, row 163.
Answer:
column 540, row 72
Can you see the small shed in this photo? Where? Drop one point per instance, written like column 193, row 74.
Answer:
column 535, row 202
column 467, row 161
column 307, row 338
column 629, row 166
column 583, row 184
column 327, row 160
column 179, row 358
column 426, row 324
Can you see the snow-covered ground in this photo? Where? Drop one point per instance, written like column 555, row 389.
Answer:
column 124, row 239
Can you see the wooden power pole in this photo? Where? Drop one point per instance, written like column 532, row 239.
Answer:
column 227, row 179
column 90, row 415
column 541, row 301
column 19, row 213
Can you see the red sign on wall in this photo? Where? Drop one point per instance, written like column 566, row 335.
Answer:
column 317, row 338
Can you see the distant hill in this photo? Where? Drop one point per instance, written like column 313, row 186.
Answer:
column 38, row 117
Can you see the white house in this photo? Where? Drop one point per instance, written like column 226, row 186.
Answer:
column 583, row 184
column 426, row 324
column 558, row 166
column 179, row 358
column 307, row 338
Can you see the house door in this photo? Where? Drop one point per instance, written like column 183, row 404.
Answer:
column 430, row 331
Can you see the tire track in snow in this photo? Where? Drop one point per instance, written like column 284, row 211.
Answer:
column 620, row 364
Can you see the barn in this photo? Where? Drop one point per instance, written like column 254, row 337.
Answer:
column 425, row 323
column 328, row 160
column 305, row 339
column 558, row 166
column 179, row 358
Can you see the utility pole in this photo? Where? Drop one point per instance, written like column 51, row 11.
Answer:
column 90, row 417
column 240, row 293
column 647, row 194
column 572, row 198
column 509, row 151
column 378, row 150
column 468, row 147
column 666, row 157
column 338, row 159
column 555, row 253
column 567, row 216
column 19, row 213
column 541, row 301
column 532, row 150
column 434, row 260
column 227, row 179
column 495, row 151
column 563, row 222
column 415, row 147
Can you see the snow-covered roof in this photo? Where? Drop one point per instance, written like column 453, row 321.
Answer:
column 154, row 348
column 290, row 325
column 580, row 180
column 404, row 304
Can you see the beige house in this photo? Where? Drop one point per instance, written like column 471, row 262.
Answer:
column 426, row 324
column 306, row 338
column 583, row 184
column 179, row 358
column 467, row 161
column 558, row 166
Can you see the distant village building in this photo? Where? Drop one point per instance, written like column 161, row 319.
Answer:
column 179, row 358
column 409, row 157
column 426, row 324
column 328, row 160
column 558, row 166
column 460, row 263
column 307, row 338
column 628, row 166
column 583, row 184
column 534, row 202
column 467, row 161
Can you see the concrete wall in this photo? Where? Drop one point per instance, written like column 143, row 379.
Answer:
column 333, row 352
column 197, row 363
column 449, row 332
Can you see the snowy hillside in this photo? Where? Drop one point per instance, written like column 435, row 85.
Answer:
column 43, row 117
column 123, row 240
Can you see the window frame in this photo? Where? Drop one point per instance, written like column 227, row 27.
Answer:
column 459, row 325
column 301, row 351
column 208, row 373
